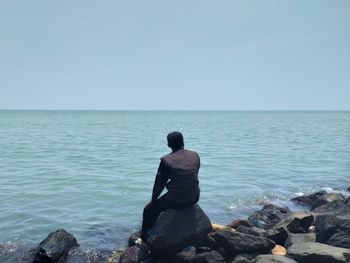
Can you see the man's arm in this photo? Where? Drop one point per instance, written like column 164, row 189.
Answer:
column 160, row 181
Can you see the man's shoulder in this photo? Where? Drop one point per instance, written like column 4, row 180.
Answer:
column 179, row 153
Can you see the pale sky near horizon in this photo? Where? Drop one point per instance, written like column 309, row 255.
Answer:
column 188, row 54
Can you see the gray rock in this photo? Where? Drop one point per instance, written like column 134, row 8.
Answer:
column 210, row 257
column 300, row 225
column 300, row 238
column 269, row 216
column 239, row 222
column 187, row 255
column 317, row 199
column 337, row 207
column 133, row 254
column 240, row 259
column 348, row 188
column 314, row 252
column 255, row 231
column 55, row 248
column 176, row 229
column 133, row 238
column 236, row 243
column 278, row 235
column 272, row 259
column 333, row 230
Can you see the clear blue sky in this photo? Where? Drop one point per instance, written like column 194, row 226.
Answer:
column 188, row 54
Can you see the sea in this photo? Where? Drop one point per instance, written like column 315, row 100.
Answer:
column 92, row 172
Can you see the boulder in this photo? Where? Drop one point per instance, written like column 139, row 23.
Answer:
column 317, row 199
column 278, row 235
column 178, row 228
column 269, row 216
column 133, row 254
column 240, row 259
column 337, row 207
column 272, row 259
column 300, row 238
column 188, row 254
column 300, row 224
column 55, row 248
column 210, row 257
column 239, row 222
column 235, row 243
column 333, row 230
column 314, row 252
column 251, row 230
column 133, row 238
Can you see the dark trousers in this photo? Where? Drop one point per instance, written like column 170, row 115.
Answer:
column 153, row 209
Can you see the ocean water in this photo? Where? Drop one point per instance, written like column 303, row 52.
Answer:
column 92, row 172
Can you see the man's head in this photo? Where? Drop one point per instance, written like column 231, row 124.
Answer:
column 175, row 140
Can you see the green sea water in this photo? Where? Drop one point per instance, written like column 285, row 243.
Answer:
column 92, row 172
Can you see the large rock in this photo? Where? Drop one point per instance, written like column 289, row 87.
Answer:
column 235, row 243
column 176, row 229
column 190, row 255
column 317, row 199
column 255, row 231
column 55, row 248
column 133, row 254
column 272, row 259
column 278, row 234
column 300, row 224
column 333, row 230
column 337, row 207
column 269, row 216
column 314, row 252
column 300, row 238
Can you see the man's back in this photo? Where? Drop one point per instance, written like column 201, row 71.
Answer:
column 182, row 168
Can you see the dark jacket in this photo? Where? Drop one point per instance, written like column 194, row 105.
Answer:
column 178, row 171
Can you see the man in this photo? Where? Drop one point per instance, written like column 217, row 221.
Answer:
column 178, row 172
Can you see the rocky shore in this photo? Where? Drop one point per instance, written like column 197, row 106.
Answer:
column 319, row 234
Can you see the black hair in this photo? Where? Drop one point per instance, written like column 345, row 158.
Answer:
column 175, row 140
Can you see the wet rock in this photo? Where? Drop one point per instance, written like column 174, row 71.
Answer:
column 314, row 252
column 133, row 254
column 133, row 238
column 210, row 257
column 95, row 256
column 240, row 259
column 239, row 222
column 317, row 199
column 300, row 238
column 176, row 229
column 300, row 225
column 348, row 188
column 251, row 230
column 236, row 243
column 188, row 254
column 272, row 259
column 55, row 248
column 278, row 235
column 333, row 230
column 269, row 216
column 10, row 253
column 337, row 207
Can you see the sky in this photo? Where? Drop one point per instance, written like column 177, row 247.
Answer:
column 175, row 55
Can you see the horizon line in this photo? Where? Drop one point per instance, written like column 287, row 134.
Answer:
column 174, row 109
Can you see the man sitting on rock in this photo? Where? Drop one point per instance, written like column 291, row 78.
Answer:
column 178, row 172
